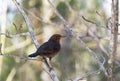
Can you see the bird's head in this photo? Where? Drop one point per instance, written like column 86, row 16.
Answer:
column 56, row 37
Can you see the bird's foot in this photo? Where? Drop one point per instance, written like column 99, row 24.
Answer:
column 50, row 69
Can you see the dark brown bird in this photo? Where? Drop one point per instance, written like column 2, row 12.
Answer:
column 50, row 48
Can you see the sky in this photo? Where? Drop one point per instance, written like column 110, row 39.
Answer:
column 10, row 7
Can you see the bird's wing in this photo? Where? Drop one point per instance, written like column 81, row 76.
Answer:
column 46, row 49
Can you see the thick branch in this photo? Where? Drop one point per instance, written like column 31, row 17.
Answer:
column 115, row 20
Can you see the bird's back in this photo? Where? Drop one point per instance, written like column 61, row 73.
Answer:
column 48, row 49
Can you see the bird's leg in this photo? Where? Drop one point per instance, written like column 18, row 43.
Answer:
column 43, row 59
column 47, row 64
column 50, row 61
column 51, row 67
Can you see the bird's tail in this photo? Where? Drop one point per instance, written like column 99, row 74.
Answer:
column 33, row 55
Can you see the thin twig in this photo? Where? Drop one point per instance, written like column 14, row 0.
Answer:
column 52, row 72
column 97, row 25
column 17, row 28
column 15, row 35
column 27, row 22
column 20, row 57
column 86, row 75
column 42, row 20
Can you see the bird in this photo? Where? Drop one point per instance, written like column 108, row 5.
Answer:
column 50, row 48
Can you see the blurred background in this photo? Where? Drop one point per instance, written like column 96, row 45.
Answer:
column 73, row 60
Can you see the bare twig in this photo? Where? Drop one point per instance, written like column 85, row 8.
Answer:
column 86, row 75
column 58, row 14
column 68, row 28
column 20, row 57
column 42, row 20
column 97, row 25
column 69, row 6
column 106, row 21
column 27, row 22
column 99, row 14
column 17, row 28
column 15, row 35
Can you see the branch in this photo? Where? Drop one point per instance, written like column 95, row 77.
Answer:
column 97, row 25
column 74, row 34
column 13, row 56
column 115, row 28
column 27, row 22
column 115, row 20
column 86, row 75
column 15, row 35
column 52, row 72
column 42, row 20
column 19, row 57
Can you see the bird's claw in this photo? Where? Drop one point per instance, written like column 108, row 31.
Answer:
column 50, row 69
